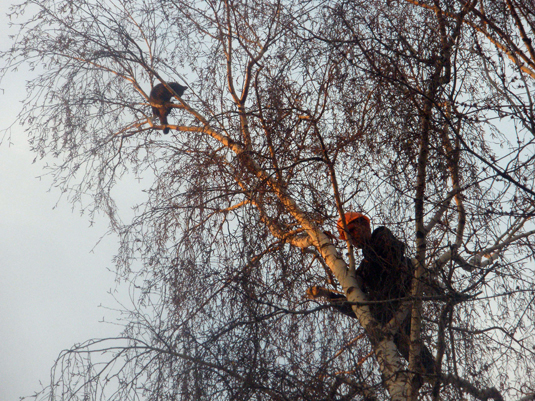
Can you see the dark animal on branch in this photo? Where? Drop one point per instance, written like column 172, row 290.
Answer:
column 159, row 96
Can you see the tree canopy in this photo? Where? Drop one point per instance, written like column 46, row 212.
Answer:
column 418, row 114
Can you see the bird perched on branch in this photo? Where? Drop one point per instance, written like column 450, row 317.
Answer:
column 159, row 98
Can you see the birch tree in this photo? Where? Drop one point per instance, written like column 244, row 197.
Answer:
column 418, row 114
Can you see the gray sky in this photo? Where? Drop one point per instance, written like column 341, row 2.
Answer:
column 52, row 283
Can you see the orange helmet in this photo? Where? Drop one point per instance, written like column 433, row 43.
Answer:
column 358, row 225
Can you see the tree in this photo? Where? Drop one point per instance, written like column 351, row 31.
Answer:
column 417, row 113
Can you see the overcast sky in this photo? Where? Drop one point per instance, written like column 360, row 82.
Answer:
column 52, row 276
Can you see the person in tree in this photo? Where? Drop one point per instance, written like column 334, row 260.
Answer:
column 385, row 274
